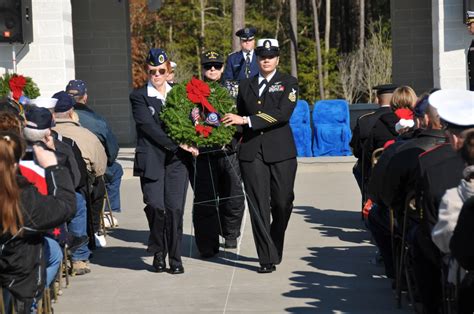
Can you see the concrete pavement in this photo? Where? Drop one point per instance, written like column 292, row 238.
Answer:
column 326, row 266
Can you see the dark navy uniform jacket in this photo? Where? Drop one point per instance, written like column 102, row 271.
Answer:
column 362, row 129
column 235, row 66
column 269, row 116
column 154, row 146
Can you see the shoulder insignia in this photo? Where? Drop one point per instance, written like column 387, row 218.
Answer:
column 292, row 95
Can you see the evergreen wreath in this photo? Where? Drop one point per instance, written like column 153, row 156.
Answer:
column 15, row 85
column 193, row 112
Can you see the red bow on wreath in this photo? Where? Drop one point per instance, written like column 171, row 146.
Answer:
column 204, row 130
column 17, row 83
column 197, row 92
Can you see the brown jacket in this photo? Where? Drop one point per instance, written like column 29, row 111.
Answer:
column 91, row 148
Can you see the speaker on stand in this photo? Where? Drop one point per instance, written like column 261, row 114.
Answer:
column 16, row 24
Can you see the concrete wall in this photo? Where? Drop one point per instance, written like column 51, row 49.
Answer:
column 412, row 42
column 450, row 42
column 102, row 57
column 49, row 60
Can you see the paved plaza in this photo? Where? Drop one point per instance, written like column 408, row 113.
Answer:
column 327, row 265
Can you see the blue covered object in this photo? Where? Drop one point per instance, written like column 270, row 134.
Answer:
column 332, row 132
column 300, row 123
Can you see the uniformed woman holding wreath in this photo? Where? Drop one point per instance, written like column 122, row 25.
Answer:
column 267, row 154
column 161, row 165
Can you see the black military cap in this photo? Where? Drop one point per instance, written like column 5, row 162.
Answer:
column 246, row 33
column 385, row 89
column 211, row 56
column 267, row 47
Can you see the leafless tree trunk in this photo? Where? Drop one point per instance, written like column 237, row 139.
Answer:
column 278, row 17
column 361, row 24
column 318, row 49
column 294, row 38
column 238, row 21
column 203, row 19
column 327, row 38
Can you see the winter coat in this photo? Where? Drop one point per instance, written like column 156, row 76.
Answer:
column 449, row 210
column 91, row 148
column 22, row 268
column 97, row 125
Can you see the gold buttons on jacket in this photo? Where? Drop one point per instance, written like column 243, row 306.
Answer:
column 259, row 102
column 259, row 111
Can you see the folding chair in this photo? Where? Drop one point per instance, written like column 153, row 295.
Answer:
column 403, row 271
column 376, row 155
column 106, row 214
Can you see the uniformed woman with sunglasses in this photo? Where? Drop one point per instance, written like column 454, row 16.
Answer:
column 161, row 165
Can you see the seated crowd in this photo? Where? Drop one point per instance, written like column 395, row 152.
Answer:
column 415, row 169
column 58, row 161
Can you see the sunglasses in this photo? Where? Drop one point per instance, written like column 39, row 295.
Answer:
column 209, row 66
column 154, row 72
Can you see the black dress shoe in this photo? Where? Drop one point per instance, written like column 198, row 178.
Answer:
column 176, row 270
column 266, row 268
column 230, row 243
column 159, row 263
column 209, row 254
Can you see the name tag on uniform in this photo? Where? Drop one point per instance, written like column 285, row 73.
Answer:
column 276, row 87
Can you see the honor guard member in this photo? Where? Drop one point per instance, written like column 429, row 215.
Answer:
column 161, row 165
column 470, row 51
column 243, row 63
column 362, row 130
column 267, row 153
column 218, row 196
column 440, row 169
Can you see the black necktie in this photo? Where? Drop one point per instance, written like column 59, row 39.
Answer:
column 261, row 87
column 247, row 65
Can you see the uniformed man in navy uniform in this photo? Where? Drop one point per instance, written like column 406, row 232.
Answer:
column 243, row 63
column 470, row 52
column 161, row 165
column 362, row 130
column 267, row 153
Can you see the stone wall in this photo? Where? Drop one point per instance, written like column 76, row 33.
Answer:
column 102, row 57
column 412, row 43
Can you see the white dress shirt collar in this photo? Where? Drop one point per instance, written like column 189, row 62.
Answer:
column 245, row 54
column 269, row 77
column 151, row 91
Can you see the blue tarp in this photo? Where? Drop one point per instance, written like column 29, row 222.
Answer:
column 300, row 125
column 332, row 132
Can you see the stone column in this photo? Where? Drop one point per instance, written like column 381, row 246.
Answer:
column 450, row 42
column 49, row 60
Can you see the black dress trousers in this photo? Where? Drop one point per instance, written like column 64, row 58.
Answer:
column 218, row 199
column 265, row 200
column 165, row 199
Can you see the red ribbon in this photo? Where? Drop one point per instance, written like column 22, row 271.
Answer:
column 404, row 113
column 17, row 83
column 204, row 130
column 197, row 92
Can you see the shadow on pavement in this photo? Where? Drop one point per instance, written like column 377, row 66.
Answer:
column 132, row 257
column 343, row 279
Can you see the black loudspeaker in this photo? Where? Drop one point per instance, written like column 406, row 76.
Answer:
column 16, row 21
